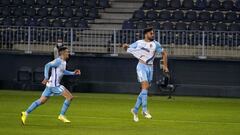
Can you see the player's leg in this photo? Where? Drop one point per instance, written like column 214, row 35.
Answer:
column 36, row 103
column 145, row 88
column 44, row 97
column 68, row 98
column 144, row 94
column 142, row 76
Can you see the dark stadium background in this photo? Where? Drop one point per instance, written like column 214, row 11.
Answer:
column 201, row 37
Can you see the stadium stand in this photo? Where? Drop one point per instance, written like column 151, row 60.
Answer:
column 189, row 22
column 81, row 21
column 53, row 11
column 200, row 11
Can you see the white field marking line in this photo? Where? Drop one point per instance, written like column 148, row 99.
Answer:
column 115, row 118
column 161, row 98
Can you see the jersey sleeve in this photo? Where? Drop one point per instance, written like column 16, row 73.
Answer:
column 66, row 72
column 159, row 48
column 133, row 45
column 54, row 63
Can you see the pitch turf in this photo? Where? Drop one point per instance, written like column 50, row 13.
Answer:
column 108, row 114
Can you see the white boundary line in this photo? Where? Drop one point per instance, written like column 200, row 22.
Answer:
column 116, row 118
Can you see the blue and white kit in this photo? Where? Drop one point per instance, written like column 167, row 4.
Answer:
column 145, row 52
column 58, row 69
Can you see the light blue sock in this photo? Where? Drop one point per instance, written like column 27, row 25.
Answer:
column 144, row 100
column 33, row 106
column 65, row 106
column 138, row 103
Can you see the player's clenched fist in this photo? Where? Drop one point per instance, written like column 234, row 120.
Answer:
column 44, row 82
column 77, row 72
column 125, row 46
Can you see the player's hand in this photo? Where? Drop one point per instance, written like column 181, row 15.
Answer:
column 165, row 69
column 77, row 72
column 44, row 82
column 125, row 46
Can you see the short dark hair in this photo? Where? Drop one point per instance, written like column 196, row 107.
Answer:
column 148, row 29
column 63, row 48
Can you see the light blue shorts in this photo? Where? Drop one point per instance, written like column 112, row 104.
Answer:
column 144, row 72
column 53, row 91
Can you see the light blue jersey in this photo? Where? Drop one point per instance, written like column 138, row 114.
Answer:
column 145, row 52
column 53, row 87
column 58, row 69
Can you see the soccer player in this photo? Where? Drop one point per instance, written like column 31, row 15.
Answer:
column 53, row 86
column 145, row 51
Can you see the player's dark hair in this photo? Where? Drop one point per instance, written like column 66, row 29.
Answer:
column 63, row 48
column 148, row 29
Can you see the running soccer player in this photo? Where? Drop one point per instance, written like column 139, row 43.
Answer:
column 53, row 86
column 145, row 50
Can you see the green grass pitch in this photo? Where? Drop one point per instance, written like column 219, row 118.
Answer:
column 109, row 114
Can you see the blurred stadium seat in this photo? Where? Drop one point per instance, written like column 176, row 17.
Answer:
column 161, row 4
column 148, row 4
column 234, row 27
column 151, row 15
column 141, row 25
column 43, row 12
column 214, row 5
column 68, row 12
column 191, row 16
column 181, row 26
column 127, row 24
column 49, row 9
column 201, row 4
column 175, row 4
column 103, row 4
column 80, row 13
column 188, row 4
column 30, row 12
column 29, row 2
column 217, row 16
column 177, row 15
column 204, row 16
column 167, row 26
column 228, row 5
column 138, row 15
column 41, row 3
column 164, row 15
column 207, row 26
column 194, row 26
column 156, row 25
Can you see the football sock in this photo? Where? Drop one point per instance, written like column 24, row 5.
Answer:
column 144, row 100
column 33, row 106
column 138, row 103
column 65, row 106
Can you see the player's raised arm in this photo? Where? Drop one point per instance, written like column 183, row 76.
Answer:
column 127, row 46
column 54, row 63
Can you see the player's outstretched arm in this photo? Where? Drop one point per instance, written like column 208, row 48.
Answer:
column 75, row 72
column 130, row 47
